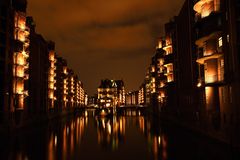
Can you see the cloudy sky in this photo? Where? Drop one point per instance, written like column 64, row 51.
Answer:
column 104, row 38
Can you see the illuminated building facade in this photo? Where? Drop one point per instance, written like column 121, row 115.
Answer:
column 160, row 76
column 29, row 80
column 160, row 80
column 152, row 81
column 210, row 50
column 132, row 98
column 14, row 60
column 217, row 41
column 77, row 91
column 171, row 64
column 70, row 92
column 141, row 95
column 82, row 95
column 51, row 76
column 20, row 60
column 121, row 99
column 107, row 93
column 147, row 87
column 70, row 89
column 93, row 99
column 196, row 68
column 61, row 84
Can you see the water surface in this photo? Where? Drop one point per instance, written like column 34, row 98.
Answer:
column 130, row 137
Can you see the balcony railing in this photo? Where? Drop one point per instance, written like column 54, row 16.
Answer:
column 203, row 57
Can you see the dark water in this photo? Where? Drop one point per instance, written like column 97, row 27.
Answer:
column 115, row 138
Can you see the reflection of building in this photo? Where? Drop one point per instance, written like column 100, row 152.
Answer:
column 65, row 138
column 157, row 141
column 111, row 132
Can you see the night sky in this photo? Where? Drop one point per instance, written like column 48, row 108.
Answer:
column 104, row 38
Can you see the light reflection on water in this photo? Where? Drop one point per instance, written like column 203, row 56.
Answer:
column 119, row 137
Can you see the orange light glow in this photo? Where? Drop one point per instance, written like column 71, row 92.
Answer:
column 206, row 7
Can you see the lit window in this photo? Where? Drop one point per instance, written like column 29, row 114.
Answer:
column 220, row 42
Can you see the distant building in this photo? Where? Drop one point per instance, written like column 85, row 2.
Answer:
column 107, row 93
column 147, row 87
column 132, row 98
column 93, row 99
column 61, row 84
column 120, row 92
column 111, row 93
column 142, row 95
column 70, row 89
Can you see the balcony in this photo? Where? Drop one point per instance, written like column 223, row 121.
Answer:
column 167, row 73
column 208, row 27
column 212, row 80
column 211, row 49
column 168, row 59
column 205, row 7
column 213, row 72
column 25, row 54
column 205, row 58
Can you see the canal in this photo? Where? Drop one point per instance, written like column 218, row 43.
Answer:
column 129, row 137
